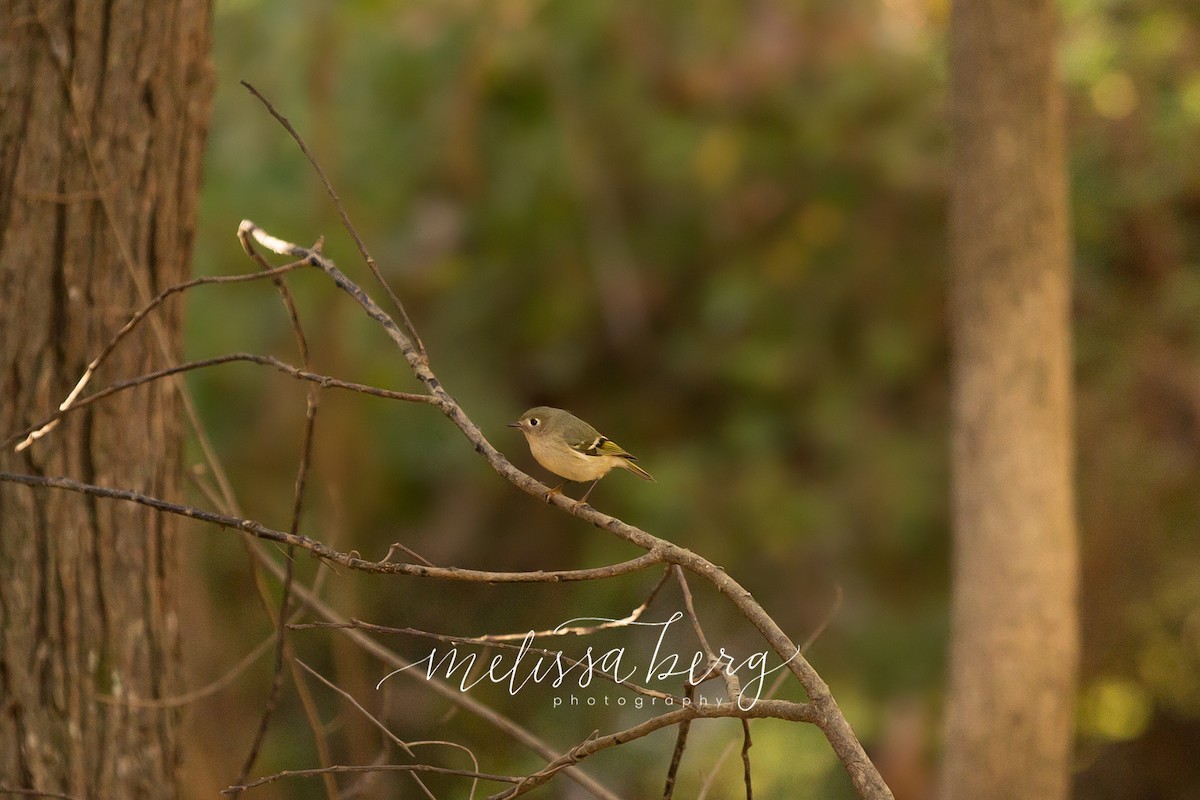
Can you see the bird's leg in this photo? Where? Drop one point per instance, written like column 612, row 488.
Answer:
column 583, row 499
column 556, row 490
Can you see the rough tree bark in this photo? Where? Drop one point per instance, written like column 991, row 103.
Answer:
column 1014, row 645
column 103, row 114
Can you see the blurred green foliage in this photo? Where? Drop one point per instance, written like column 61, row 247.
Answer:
column 715, row 230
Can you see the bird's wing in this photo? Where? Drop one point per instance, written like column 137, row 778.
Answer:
column 600, row 446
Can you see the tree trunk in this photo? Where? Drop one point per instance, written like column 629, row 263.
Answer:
column 103, row 114
column 1014, row 643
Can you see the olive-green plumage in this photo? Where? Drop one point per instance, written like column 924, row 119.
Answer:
column 570, row 448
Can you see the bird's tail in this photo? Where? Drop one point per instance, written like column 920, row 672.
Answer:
column 636, row 470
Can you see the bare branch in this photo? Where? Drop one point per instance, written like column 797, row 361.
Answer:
column 103, row 180
column 95, row 363
column 710, row 779
column 413, row 554
column 337, row 202
column 681, row 737
column 324, row 381
column 732, row 689
column 863, row 774
column 313, row 717
column 564, row 761
column 383, row 728
column 774, row 709
column 485, row 641
column 310, row 421
column 351, row 770
column 192, row 696
column 747, row 743
column 585, row 630
column 350, row 560
column 821, row 708
column 484, row 712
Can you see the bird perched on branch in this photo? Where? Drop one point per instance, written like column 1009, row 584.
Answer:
column 570, row 448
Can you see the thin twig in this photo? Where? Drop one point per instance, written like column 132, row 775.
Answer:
column 747, row 743
column 833, row 723
column 344, row 769
column 324, row 381
column 107, row 350
column 211, row 688
column 773, row 709
column 350, row 560
column 313, row 717
column 396, row 740
column 821, row 708
column 710, row 779
column 452, row 746
column 405, row 746
column 289, row 302
column 715, row 666
column 681, row 736
column 337, row 202
column 690, row 607
column 585, row 630
column 483, row 640
column 361, row 787
column 102, row 178
column 262, row 590
column 451, row 694
column 565, row 761
column 310, row 419
column 137, row 275
column 307, row 703
column 413, row 554
column 383, row 728
column 732, row 689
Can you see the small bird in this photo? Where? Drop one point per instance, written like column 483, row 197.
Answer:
column 570, row 448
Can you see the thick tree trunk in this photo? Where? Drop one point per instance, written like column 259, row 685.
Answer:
column 1014, row 645
column 103, row 113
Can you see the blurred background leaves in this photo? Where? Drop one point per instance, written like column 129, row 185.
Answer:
column 715, row 230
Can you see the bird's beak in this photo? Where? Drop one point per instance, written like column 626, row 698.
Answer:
column 514, row 424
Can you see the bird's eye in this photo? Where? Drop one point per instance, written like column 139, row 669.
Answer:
column 534, row 422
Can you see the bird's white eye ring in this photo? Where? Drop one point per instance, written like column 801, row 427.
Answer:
column 534, row 422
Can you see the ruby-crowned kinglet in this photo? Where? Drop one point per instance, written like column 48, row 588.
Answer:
column 570, row 448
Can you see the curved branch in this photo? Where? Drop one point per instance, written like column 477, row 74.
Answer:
column 337, row 202
column 324, row 381
column 356, row 624
column 833, row 723
column 774, row 709
column 350, row 560
column 355, row 769
column 447, row 692
column 92, row 366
